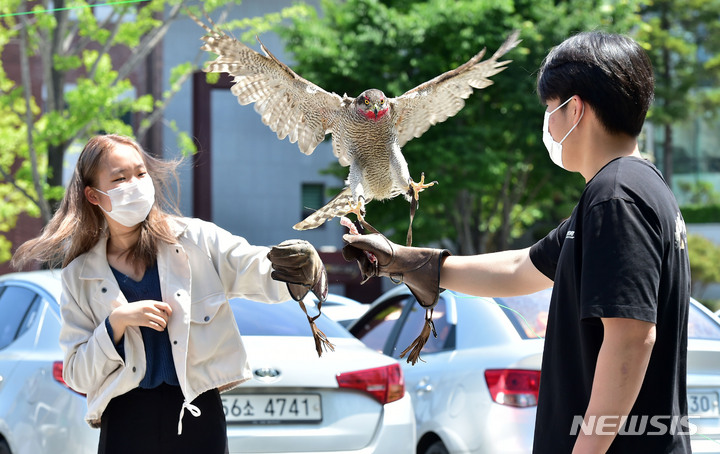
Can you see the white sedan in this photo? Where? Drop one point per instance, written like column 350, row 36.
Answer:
column 352, row 400
column 476, row 391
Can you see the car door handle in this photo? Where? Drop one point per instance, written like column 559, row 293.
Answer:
column 423, row 386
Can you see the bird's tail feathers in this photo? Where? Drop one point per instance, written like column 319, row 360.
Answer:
column 340, row 205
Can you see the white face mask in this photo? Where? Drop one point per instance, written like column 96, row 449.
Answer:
column 131, row 202
column 555, row 148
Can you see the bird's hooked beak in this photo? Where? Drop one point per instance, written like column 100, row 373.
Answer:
column 375, row 109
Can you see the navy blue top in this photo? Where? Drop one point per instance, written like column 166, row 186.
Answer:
column 158, row 351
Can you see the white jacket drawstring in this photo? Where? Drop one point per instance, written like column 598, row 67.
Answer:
column 194, row 410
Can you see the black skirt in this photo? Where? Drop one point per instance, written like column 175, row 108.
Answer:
column 146, row 421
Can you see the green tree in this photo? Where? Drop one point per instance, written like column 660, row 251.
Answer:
column 704, row 259
column 85, row 93
column 495, row 179
column 682, row 38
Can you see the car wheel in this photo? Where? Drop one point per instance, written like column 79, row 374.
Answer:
column 437, row 448
column 4, row 448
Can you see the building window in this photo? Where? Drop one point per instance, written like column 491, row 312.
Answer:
column 312, row 198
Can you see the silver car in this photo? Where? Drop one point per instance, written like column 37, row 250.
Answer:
column 477, row 389
column 38, row 413
column 352, row 400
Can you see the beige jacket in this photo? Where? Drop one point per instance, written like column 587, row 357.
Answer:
column 207, row 266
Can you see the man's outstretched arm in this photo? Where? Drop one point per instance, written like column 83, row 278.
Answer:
column 506, row 273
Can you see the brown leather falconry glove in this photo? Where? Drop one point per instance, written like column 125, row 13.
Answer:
column 297, row 263
column 418, row 268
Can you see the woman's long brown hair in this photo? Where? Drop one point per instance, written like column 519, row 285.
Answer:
column 77, row 225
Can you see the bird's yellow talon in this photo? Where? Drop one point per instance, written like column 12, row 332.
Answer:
column 417, row 188
column 358, row 208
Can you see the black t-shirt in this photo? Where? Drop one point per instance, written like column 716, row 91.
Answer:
column 622, row 253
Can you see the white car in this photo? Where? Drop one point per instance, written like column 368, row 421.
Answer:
column 38, row 413
column 352, row 400
column 476, row 391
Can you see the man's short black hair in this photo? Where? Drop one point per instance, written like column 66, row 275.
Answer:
column 610, row 72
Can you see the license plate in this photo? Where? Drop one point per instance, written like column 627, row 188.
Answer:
column 703, row 404
column 272, row 408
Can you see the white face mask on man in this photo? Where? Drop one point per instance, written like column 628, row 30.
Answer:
column 131, row 202
column 555, row 148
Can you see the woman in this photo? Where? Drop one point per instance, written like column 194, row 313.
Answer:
column 176, row 346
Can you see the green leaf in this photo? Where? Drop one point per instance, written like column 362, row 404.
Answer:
column 179, row 71
column 144, row 103
column 66, row 63
column 212, row 78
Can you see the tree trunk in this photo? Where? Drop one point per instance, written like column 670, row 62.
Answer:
column 56, row 99
column 41, row 202
column 668, row 155
column 463, row 221
column 151, row 138
column 667, row 80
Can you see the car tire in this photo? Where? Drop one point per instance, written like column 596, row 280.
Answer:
column 4, row 448
column 437, row 448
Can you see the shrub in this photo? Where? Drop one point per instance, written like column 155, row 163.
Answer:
column 704, row 263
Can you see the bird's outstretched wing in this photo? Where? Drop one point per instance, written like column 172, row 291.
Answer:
column 340, row 205
column 442, row 97
column 289, row 105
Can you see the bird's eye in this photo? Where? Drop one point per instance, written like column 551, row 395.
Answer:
column 382, row 101
column 367, row 102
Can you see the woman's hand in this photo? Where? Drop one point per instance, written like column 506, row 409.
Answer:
column 148, row 313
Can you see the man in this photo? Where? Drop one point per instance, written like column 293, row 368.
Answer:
column 615, row 349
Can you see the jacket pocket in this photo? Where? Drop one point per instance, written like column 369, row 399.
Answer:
column 203, row 312
column 215, row 354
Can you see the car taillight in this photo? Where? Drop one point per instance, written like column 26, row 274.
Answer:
column 386, row 384
column 514, row 387
column 58, row 375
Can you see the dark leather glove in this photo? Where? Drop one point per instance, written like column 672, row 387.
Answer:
column 418, row 268
column 297, row 263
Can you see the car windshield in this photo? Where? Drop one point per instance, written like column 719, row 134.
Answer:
column 283, row 319
column 702, row 325
column 528, row 313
